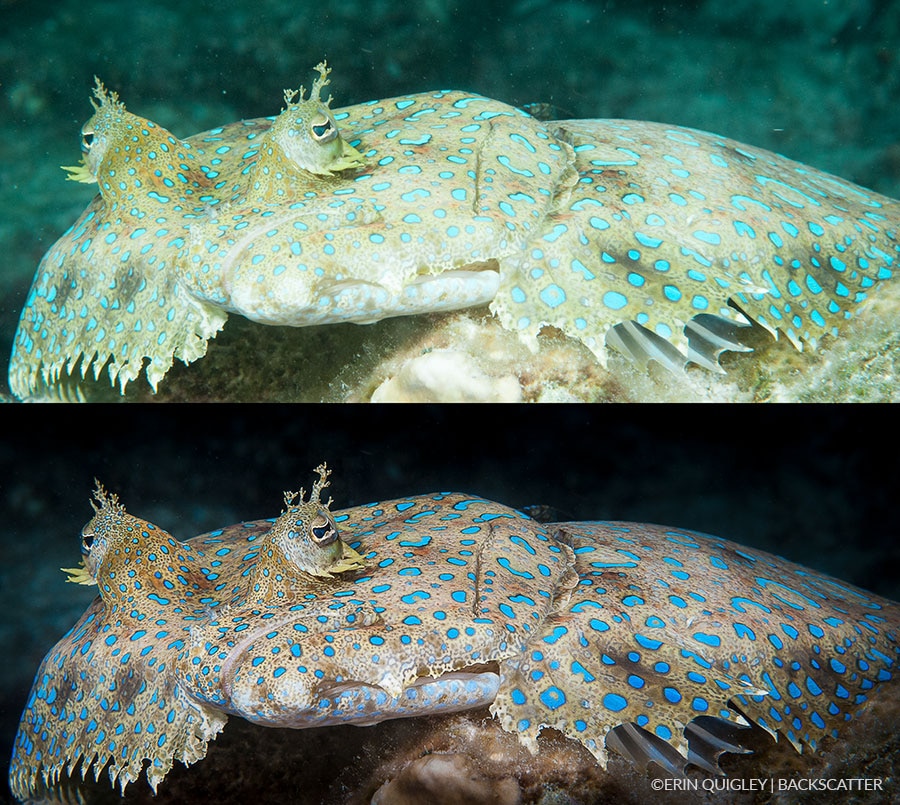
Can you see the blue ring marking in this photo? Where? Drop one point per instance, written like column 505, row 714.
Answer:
column 553, row 296
column 553, row 698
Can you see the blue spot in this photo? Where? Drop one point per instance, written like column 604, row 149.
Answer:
column 553, row 296
column 553, row 698
column 613, row 300
column 708, row 639
column 672, row 293
column 708, row 237
column 556, row 634
column 636, row 279
column 578, row 668
column 743, row 630
column 744, row 229
column 647, row 643
column 506, row 565
column 790, row 631
column 614, row 702
column 646, row 240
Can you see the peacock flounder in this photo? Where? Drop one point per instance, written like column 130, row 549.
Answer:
column 656, row 239
column 647, row 640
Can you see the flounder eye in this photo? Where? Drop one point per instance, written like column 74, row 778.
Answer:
column 87, row 139
column 323, row 129
column 322, row 530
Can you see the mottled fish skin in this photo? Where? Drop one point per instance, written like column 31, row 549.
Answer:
column 668, row 222
column 451, row 183
column 668, row 624
column 447, row 585
column 456, row 201
column 106, row 293
column 459, row 602
column 106, row 691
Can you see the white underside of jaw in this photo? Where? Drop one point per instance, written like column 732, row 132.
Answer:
column 363, row 302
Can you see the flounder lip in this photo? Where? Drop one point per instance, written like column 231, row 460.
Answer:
column 367, row 302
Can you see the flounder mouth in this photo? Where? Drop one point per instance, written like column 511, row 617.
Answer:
column 366, row 302
column 363, row 704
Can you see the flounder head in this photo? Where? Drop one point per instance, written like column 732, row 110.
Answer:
column 307, row 133
column 109, row 522
column 108, row 119
column 117, row 145
column 106, row 696
column 306, row 536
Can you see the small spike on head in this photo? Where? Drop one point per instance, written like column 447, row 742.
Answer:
column 315, row 94
column 290, row 498
column 105, row 97
column 109, row 502
column 108, row 524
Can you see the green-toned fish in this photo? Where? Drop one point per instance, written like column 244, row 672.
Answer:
column 632, row 234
